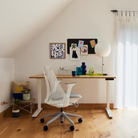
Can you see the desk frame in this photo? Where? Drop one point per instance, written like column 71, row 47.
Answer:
column 107, row 78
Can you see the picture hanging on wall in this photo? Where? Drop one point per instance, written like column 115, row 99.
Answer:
column 84, row 50
column 74, row 52
column 93, row 44
column 80, row 43
column 57, row 50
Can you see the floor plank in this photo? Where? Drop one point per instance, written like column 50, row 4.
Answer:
column 96, row 124
column 12, row 125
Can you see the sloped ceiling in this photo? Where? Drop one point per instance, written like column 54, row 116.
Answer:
column 22, row 20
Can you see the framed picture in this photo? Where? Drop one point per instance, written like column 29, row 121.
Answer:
column 74, row 52
column 57, row 50
column 84, row 50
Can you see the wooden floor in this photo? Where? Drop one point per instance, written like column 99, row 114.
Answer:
column 95, row 124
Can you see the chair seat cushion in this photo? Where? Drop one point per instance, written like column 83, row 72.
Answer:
column 59, row 96
column 74, row 95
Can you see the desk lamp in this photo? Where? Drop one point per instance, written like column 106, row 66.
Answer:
column 102, row 49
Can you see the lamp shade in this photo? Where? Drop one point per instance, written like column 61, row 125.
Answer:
column 102, row 49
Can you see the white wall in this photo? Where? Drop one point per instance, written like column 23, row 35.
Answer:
column 81, row 19
column 7, row 75
column 22, row 20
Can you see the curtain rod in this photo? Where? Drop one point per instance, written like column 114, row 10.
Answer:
column 114, row 11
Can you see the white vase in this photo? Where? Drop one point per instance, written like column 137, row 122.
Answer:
column 26, row 96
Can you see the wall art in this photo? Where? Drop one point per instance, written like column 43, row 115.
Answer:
column 57, row 50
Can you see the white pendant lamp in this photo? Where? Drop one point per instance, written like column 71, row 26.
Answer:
column 102, row 49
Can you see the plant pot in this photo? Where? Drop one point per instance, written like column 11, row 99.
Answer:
column 26, row 96
column 18, row 96
column 15, row 112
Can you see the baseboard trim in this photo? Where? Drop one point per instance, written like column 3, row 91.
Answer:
column 81, row 106
column 5, row 112
column 48, row 107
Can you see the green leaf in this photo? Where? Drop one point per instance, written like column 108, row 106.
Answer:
column 17, row 101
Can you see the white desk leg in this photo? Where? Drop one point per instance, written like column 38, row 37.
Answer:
column 39, row 109
column 109, row 112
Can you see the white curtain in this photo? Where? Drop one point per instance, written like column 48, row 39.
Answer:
column 127, row 60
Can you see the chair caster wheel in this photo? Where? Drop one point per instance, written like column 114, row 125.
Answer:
column 61, row 122
column 80, row 120
column 42, row 120
column 72, row 128
column 45, row 128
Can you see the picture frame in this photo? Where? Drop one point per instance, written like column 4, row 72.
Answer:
column 74, row 53
column 84, row 50
column 57, row 50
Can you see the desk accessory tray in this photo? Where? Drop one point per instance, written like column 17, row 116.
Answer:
column 94, row 74
column 64, row 72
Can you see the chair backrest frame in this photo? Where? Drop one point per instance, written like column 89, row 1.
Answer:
column 45, row 70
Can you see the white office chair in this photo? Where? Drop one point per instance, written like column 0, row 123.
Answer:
column 57, row 97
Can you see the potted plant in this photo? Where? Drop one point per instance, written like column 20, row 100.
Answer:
column 26, row 93
column 15, row 110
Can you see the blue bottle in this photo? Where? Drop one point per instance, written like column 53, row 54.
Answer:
column 83, row 68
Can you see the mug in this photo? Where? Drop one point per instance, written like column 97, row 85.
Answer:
column 73, row 73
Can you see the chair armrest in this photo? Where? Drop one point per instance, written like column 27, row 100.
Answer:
column 59, row 80
column 69, row 87
column 67, row 94
column 71, row 83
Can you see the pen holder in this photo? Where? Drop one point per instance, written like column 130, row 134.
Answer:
column 73, row 73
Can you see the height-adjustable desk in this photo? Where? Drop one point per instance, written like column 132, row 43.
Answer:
column 107, row 78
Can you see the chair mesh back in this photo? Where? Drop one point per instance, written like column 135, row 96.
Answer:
column 52, row 82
